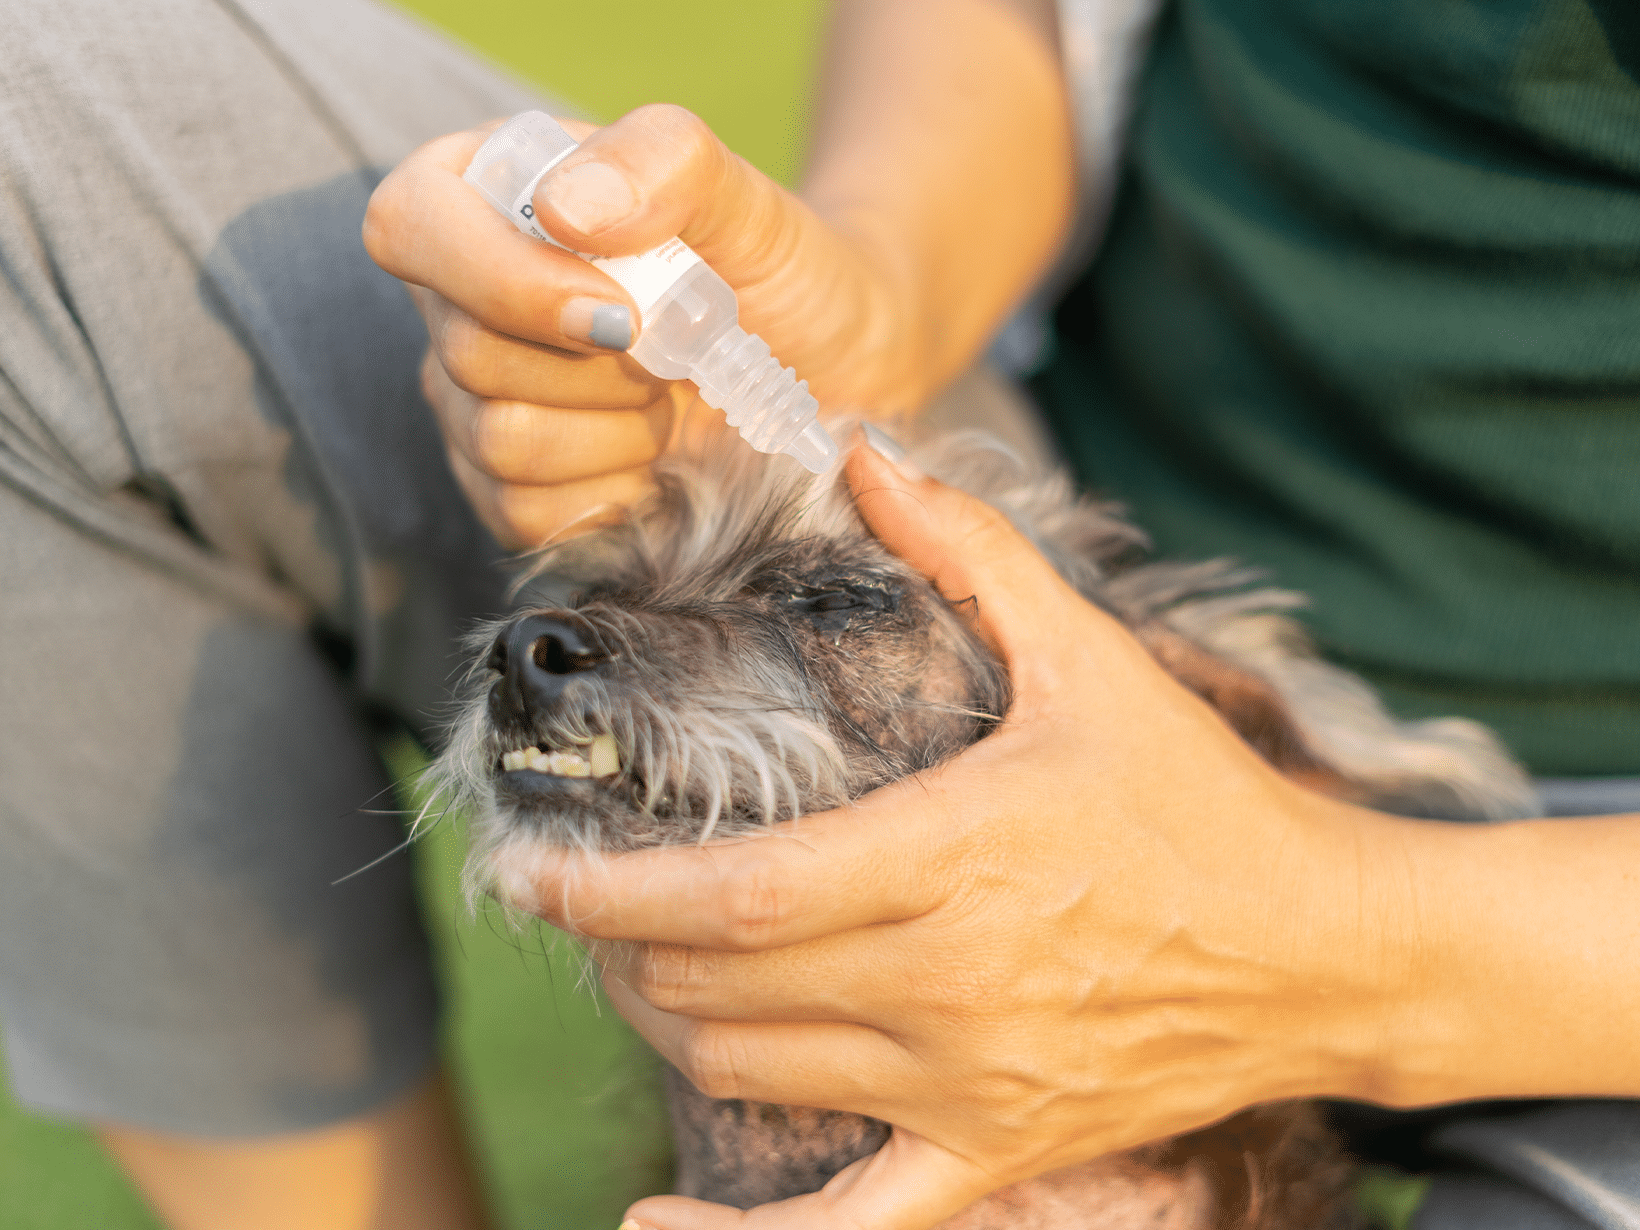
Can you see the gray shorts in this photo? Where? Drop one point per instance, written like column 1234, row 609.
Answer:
column 227, row 533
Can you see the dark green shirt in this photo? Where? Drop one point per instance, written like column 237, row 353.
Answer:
column 1368, row 316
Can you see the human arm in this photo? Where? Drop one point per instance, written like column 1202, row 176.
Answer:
column 940, row 185
column 1105, row 923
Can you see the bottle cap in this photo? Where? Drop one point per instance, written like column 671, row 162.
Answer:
column 517, row 154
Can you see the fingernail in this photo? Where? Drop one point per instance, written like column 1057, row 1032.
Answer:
column 884, row 443
column 591, row 196
column 891, row 450
column 596, row 322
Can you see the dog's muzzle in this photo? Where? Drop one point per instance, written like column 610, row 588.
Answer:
column 538, row 657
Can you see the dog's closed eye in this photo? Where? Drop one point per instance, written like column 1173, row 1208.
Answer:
column 834, row 600
column 830, row 609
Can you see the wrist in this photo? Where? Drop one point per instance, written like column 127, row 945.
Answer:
column 1361, row 1010
column 1495, row 959
column 1400, row 1030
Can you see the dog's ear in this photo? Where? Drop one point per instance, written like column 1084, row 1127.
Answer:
column 1233, row 645
column 1325, row 727
column 1251, row 707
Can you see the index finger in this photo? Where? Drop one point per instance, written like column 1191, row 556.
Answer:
column 869, row 862
column 428, row 226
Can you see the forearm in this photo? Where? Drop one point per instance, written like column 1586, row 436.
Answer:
column 943, row 149
column 1510, row 957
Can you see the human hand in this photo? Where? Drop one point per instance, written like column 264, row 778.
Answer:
column 1106, row 923
column 544, row 416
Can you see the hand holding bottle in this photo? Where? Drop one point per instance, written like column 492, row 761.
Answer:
column 939, row 187
column 544, row 415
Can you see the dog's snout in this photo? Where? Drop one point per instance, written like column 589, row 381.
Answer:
column 537, row 656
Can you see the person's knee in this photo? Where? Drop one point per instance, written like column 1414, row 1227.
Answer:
column 399, row 1167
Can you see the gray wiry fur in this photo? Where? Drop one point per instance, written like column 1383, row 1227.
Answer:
column 767, row 658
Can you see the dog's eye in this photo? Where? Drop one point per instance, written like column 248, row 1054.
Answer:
column 836, row 600
column 832, row 604
column 834, row 610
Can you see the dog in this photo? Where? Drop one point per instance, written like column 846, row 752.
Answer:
column 742, row 652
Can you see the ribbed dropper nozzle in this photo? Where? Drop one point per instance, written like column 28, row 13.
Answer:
column 772, row 409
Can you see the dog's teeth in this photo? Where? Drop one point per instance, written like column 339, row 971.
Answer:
column 570, row 764
column 602, row 757
column 599, row 760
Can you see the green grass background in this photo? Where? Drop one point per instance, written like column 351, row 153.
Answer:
column 746, row 68
column 561, row 1099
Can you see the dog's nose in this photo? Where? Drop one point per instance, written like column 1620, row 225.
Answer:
column 537, row 655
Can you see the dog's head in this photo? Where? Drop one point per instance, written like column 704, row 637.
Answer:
column 741, row 651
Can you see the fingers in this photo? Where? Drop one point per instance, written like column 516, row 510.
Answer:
column 829, row 305
column 856, row 976
column 516, row 441
column 908, row 1184
column 427, row 226
column 829, row 1065
column 961, row 544
column 492, row 364
column 657, row 172
column 521, row 516
column 810, row 877
column 537, row 473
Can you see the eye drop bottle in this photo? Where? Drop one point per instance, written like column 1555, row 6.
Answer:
column 690, row 318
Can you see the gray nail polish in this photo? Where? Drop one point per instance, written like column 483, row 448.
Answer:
column 884, row 443
column 611, row 326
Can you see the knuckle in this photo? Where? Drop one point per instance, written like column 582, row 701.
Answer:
column 432, row 388
column 684, row 135
column 986, row 518
column 490, row 499
column 715, row 1061
column 383, row 219
column 467, row 350
column 518, row 507
column 668, row 978
column 495, row 438
column 988, row 528
column 672, row 121
column 753, row 907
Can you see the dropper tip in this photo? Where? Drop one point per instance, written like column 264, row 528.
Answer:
column 813, row 448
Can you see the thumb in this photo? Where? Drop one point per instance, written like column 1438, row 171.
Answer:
column 807, row 289
column 966, row 549
column 657, row 172
column 908, row 1184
